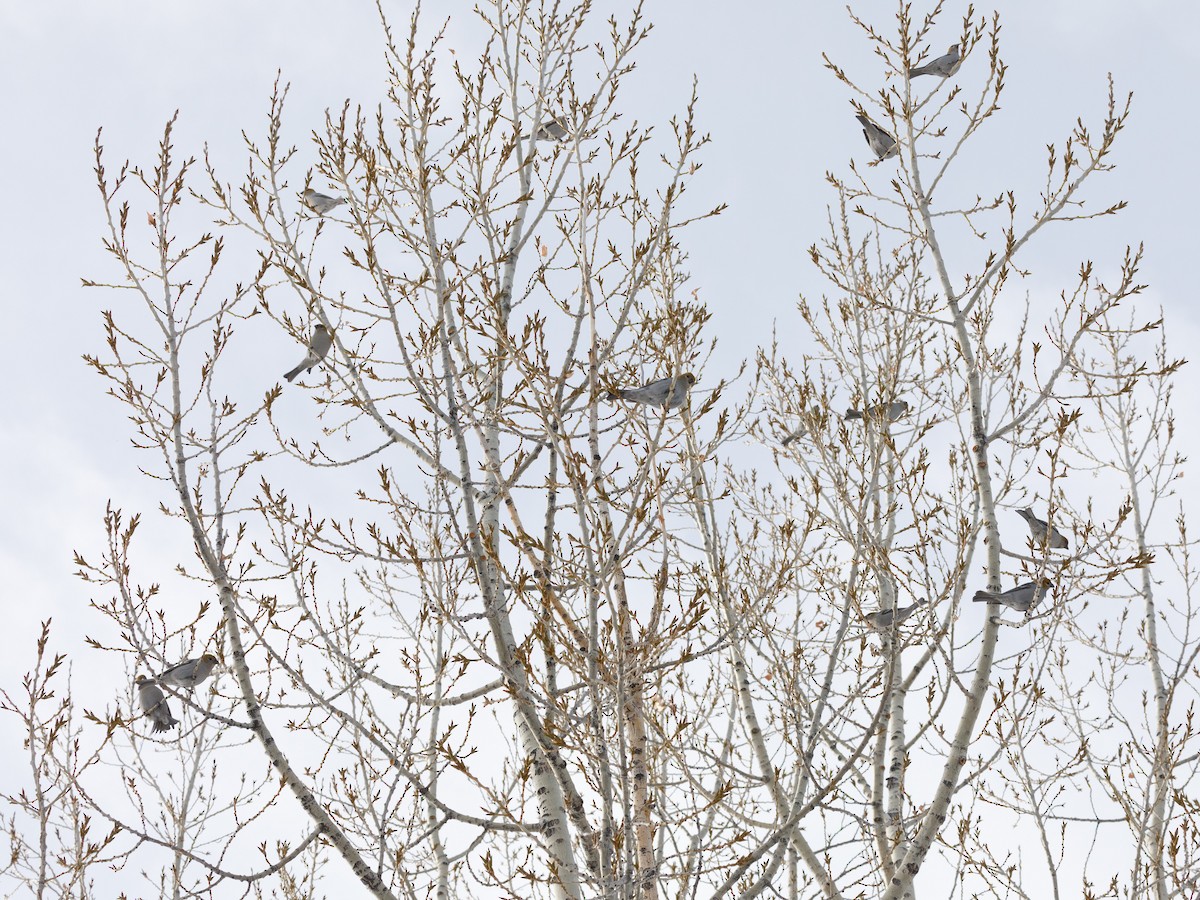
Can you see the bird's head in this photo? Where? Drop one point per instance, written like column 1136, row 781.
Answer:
column 209, row 659
column 1046, row 584
column 688, row 378
column 142, row 680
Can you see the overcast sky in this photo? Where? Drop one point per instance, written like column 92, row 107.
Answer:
column 779, row 121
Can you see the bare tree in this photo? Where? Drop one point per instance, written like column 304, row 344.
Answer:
column 1144, row 754
column 500, row 611
column 468, row 237
column 54, row 847
column 956, row 411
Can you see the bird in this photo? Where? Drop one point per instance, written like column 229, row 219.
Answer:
column 318, row 346
column 802, row 431
column 1038, row 528
column 880, row 141
column 189, row 673
column 943, row 66
column 154, row 704
column 552, row 129
column 798, row 435
column 883, row 618
column 671, row 392
column 894, row 411
column 1022, row 598
column 321, row 203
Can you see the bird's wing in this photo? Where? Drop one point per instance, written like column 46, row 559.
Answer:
column 179, row 668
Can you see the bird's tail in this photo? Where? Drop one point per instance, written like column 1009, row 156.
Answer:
column 296, row 371
column 613, row 396
column 852, row 414
column 984, row 597
column 164, row 723
column 919, row 70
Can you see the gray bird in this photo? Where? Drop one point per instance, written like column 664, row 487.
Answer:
column 883, row 618
column 154, row 704
column 552, row 129
column 189, row 673
column 656, row 392
column 1038, row 528
column 943, row 66
column 880, row 141
column 798, row 435
column 1022, row 598
column 818, row 420
column 318, row 346
column 894, row 411
column 321, row 203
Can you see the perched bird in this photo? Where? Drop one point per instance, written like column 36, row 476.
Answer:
column 883, row 618
column 189, row 673
column 798, row 435
column 1038, row 528
column 154, row 704
column 1022, row 598
column 893, row 410
column 671, row 392
column 818, row 421
column 943, row 66
column 321, row 203
column 880, row 141
column 318, row 346
column 552, row 129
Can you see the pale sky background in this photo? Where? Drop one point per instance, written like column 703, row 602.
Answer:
column 778, row 119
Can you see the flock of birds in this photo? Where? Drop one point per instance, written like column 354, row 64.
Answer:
column 1022, row 598
column 668, row 393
